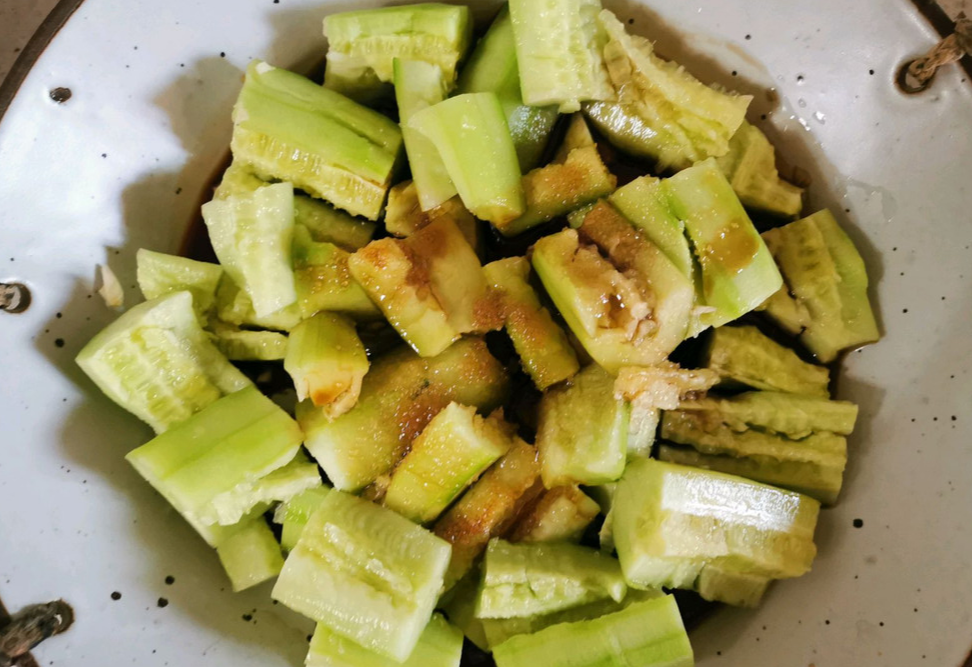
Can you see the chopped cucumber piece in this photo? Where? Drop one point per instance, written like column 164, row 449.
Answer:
column 242, row 345
column 356, row 555
column 294, row 514
column 287, row 127
column 560, row 188
column 156, row 362
column 530, row 579
column 644, row 202
column 662, row 112
column 450, row 453
column 490, row 507
column 664, row 385
column 648, row 634
column 545, row 352
column 160, row 274
column 210, row 466
column 750, row 166
column 429, row 285
column 282, row 484
column 670, row 521
column 324, row 282
column 234, row 307
column 492, row 68
column 825, row 275
column 743, row 355
column 642, row 426
column 238, row 179
column 419, row 85
column 326, row 224
column 733, row 588
column 737, row 272
column 792, row 415
column 327, row 362
column 404, row 215
column 582, row 433
column 439, row 645
column 250, row 555
column 459, row 605
column 561, row 514
column 364, row 44
column 472, row 138
column 578, row 135
column 252, row 236
column 629, row 309
column 399, row 396
column 558, row 52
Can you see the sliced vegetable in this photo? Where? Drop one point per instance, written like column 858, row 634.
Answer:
column 243, row 345
column 792, row 415
column 327, row 362
column 449, row 455
column 324, row 282
column 642, row 426
column 156, row 362
column 459, row 605
column 294, row 514
column 750, row 166
column 252, row 236
column 356, row 555
column 543, row 347
column 160, row 274
column 250, row 555
column 289, row 128
column 404, row 215
column 561, row 514
column 326, row 224
column 733, row 588
column 439, row 645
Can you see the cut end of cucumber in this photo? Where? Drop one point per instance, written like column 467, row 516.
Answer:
column 250, row 555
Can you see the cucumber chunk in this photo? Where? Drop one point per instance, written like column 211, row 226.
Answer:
column 492, row 68
column 545, row 352
column 439, row 645
column 250, row 555
column 324, row 282
column 243, row 345
column 459, row 605
column 326, row 224
column 472, row 138
column 288, row 128
column 252, row 236
column 449, row 455
column 642, row 426
column 827, row 279
column 561, row 514
column 404, row 215
column 156, row 362
column 364, row 44
column 648, row 634
column 353, row 552
column 209, row 467
column 430, row 286
column 670, row 521
column 294, row 514
column 733, row 588
column 792, row 415
column 530, row 579
column 582, row 434
column 662, row 112
column 750, row 166
column 737, row 272
column 399, row 396
column 327, row 362
column 558, row 52
column 490, row 507
column 664, row 385
column 743, row 355
column 159, row 274
column 233, row 307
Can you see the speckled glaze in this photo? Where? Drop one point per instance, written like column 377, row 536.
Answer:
column 123, row 162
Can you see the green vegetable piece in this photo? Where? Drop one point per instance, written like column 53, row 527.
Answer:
column 399, row 396
column 582, row 433
column 327, row 362
column 561, row 514
column 670, row 521
column 252, row 236
column 439, row 645
column 324, row 282
column 826, row 276
column 429, row 285
column 459, row 605
column 750, row 166
column 492, row 68
column 156, row 362
column 160, row 274
column 648, row 633
column 389, row 570
column 662, row 112
column 294, row 514
column 642, row 426
column 792, row 415
column 558, row 52
column 210, row 466
column 744, row 356
column 244, row 345
column 733, row 588
column 531, row 579
column 326, row 224
column 545, row 352
column 234, row 307
column 404, row 215
column 250, row 555
column 737, row 272
column 364, row 44
column 449, row 455
column 289, row 128
column 490, row 507
column 473, row 140
column 238, row 179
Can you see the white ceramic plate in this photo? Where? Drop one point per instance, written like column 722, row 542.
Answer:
column 123, row 163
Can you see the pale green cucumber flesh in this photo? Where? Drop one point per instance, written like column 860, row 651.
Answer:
column 324, row 282
column 561, row 514
column 160, row 274
column 244, row 345
column 294, row 514
column 326, row 224
column 250, row 555
column 439, row 645
column 750, row 166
